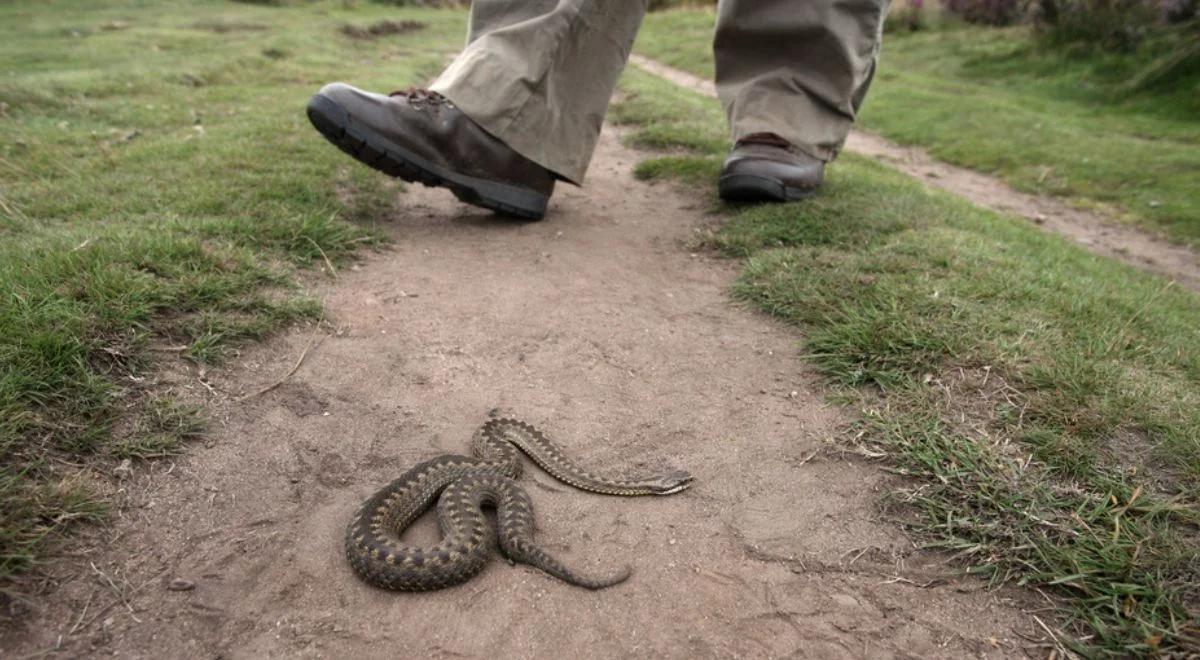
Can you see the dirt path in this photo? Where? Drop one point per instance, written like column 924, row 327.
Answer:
column 595, row 324
column 1092, row 231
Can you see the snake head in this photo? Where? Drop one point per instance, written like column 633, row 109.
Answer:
column 670, row 483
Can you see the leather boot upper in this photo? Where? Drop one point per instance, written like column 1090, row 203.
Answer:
column 769, row 157
column 431, row 126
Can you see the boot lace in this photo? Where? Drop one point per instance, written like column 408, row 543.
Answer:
column 418, row 96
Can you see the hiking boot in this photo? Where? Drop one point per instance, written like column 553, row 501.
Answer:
column 764, row 167
column 419, row 135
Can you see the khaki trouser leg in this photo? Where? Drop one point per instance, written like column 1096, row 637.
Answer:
column 797, row 68
column 538, row 74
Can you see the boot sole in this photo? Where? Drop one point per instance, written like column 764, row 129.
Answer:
column 375, row 151
column 749, row 188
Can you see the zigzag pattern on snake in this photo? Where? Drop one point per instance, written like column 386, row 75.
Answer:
column 465, row 485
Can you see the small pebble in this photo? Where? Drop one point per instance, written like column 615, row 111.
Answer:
column 124, row 470
column 180, row 584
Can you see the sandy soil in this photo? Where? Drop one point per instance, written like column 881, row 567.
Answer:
column 599, row 326
column 1093, row 231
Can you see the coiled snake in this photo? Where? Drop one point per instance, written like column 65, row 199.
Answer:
column 465, row 484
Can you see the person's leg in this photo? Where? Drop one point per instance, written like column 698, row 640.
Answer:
column 538, row 74
column 520, row 107
column 796, row 68
column 792, row 72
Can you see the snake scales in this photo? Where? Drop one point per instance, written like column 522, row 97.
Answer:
column 465, row 485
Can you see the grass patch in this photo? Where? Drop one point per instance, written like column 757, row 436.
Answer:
column 1045, row 402
column 160, row 430
column 380, row 29
column 1058, row 121
column 159, row 184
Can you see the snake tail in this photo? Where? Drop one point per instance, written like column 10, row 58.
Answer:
column 515, row 517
